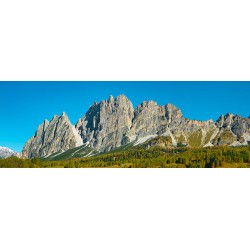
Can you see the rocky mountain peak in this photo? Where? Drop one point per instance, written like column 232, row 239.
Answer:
column 149, row 119
column 114, row 122
column 229, row 115
column 172, row 112
column 51, row 137
column 226, row 121
column 54, row 117
column 111, row 99
column 122, row 98
column 106, row 123
column 220, row 119
column 7, row 152
column 64, row 114
column 149, row 103
column 45, row 124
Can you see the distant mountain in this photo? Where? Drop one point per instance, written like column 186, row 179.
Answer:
column 114, row 123
column 6, row 152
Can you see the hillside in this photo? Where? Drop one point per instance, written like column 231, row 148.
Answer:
column 155, row 157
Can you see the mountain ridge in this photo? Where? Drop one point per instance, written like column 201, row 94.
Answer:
column 114, row 122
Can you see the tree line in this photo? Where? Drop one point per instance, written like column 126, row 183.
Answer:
column 140, row 157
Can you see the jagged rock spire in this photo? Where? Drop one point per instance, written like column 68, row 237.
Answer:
column 52, row 137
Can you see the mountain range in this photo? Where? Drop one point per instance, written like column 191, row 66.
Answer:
column 6, row 152
column 114, row 123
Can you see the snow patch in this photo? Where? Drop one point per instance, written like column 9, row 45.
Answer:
column 168, row 133
column 85, row 145
column 203, row 134
column 209, row 144
column 214, row 134
column 77, row 151
column 132, row 138
column 6, row 152
column 79, row 141
column 235, row 144
column 144, row 139
column 89, row 154
column 51, row 157
column 246, row 136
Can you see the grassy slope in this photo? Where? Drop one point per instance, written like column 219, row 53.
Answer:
column 78, row 152
column 161, row 157
column 81, row 152
column 194, row 139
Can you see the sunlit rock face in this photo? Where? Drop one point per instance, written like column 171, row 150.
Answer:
column 58, row 135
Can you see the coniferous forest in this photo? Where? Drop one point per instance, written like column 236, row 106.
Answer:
column 139, row 157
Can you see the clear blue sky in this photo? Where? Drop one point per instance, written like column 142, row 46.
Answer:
column 24, row 105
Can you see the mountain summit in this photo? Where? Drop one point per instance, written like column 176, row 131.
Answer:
column 6, row 152
column 114, row 122
column 55, row 136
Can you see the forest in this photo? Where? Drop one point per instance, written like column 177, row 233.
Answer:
column 139, row 157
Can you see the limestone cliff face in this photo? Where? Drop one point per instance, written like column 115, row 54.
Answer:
column 114, row 122
column 233, row 130
column 58, row 135
column 106, row 124
column 150, row 118
column 191, row 132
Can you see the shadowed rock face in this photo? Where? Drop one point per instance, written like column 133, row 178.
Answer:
column 241, row 126
column 57, row 135
column 114, row 122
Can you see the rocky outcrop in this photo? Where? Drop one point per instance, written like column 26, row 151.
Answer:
column 58, row 135
column 114, row 122
column 191, row 132
column 106, row 124
column 150, row 118
column 234, row 130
